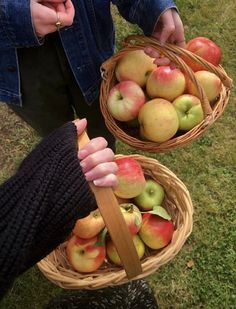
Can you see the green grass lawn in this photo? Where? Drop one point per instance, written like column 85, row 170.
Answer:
column 203, row 274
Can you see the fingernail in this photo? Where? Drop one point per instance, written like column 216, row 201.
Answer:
column 97, row 182
column 83, row 165
column 82, row 153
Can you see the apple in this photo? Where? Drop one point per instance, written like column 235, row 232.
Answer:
column 156, row 232
column 86, row 255
column 205, row 48
column 125, row 100
column 132, row 216
column 89, row 226
column 189, row 110
column 165, row 82
column 136, row 66
column 158, row 120
column 152, row 195
column 130, row 176
column 113, row 254
column 210, row 83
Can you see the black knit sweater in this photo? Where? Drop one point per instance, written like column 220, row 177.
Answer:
column 41, row 203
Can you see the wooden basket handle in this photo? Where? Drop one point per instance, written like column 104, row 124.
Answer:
column 115, row 223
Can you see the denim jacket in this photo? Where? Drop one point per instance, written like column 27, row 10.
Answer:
column 87, row 43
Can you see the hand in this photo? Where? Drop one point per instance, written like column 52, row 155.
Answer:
column 45, row 15
column 96, row 160
column 169, row 28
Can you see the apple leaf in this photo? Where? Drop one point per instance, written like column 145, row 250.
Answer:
column 161, row 212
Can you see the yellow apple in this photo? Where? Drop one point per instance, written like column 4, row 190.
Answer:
column 158, row 120
column 113, row 254
column 89, row 226
column 135, row 66
column 210, row 83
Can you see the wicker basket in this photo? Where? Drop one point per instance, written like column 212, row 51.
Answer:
column 174, row 53
column 178, row 203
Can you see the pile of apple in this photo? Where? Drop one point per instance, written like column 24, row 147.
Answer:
column 161, row 101
column 140, row 199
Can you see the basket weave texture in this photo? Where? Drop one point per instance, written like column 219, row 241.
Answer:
column 174, row 53
column 179, row 205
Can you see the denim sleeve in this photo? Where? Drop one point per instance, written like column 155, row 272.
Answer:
column 16, row 28
column 144, row 13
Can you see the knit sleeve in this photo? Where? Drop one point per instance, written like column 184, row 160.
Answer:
column 41, row 203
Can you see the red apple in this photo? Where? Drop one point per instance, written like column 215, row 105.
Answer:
column 86, row 255
column 132, row 216
column 125, row 100
column 210, row 83
column 156, row 232
column 204, row 48
column 112, row 252
column 165, row 82
column 131, row 180
column 89, row 226
column 135, row 66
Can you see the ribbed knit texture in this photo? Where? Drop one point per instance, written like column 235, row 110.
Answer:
column 41, row 203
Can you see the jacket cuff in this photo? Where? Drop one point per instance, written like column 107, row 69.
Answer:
column 152, row 13
column 17, row 23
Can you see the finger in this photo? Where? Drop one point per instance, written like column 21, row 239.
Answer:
column 53, row 1
column 101, row 170
column 68, row 15
column 109, row 180
column 168, row 26
column 61, row 8
column 162, row 61
column 93, row 146
column 151, row 52
column 99, row 157
column 179, row 35
column 49, row 5
column 80, row 125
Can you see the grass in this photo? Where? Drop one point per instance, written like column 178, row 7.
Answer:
column 203, row 274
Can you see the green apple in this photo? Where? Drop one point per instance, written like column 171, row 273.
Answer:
column 189, row 110
column 152, row 195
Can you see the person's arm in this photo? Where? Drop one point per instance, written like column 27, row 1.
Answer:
column 16, row 28
column 143, row 13
column 24, row 23
column 41, row 203
column 159, row 19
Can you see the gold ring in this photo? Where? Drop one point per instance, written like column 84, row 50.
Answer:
column 59, row 24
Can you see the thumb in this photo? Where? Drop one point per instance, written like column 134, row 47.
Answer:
column 81, row 125
column 168, row 26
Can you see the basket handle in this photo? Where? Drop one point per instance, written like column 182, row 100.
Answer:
column 174, row 53
column 115, row 223
column 172, row 48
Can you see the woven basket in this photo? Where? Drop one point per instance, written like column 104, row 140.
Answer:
column 177, row 202
column 174, row 53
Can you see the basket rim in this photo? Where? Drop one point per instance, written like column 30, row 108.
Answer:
column 116, row 275
column 211, row 113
